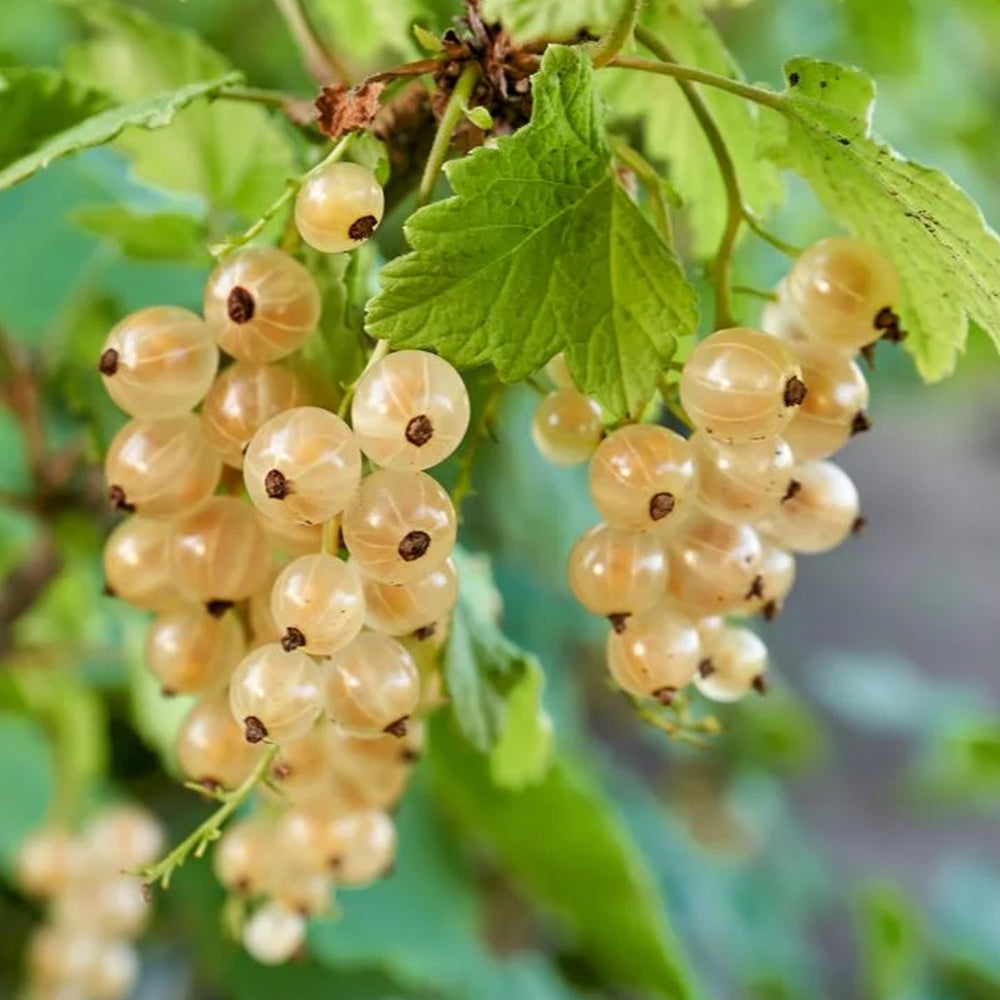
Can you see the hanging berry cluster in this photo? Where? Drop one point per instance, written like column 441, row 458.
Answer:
column 697, row 531
column 291, row 610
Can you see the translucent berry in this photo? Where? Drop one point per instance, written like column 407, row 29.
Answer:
column 123, row 838
column 159, row 362
column 191, row 651
column 780, row 320
column 841, row 289
column 308, row 893
column 820, row 512
column 410, row 410
column 317, row 604
column 275, row 695
column 290, row 537
column 372, row 686
column 49, row 859
column 302, row 768
column 617, row 573
column 641, row 476
column 834, row 409
column 399, row 526
column 567, row 427
column 558, row 372
column 261, row 304
column 368, row 847
column 302, row 466
column 137, row 564
column 400, row 608
column 160, row 468
column 741, row 385
column 244, row 397
column 112, row 972
column 713, row 565
column 656, row 654
column 112, row 906
column 737, row 665
column 244, row 856
column 220, row 551
column 741, row 483
column 274, row 933
column 210, row 746
column 775, row 578
column 338, row 207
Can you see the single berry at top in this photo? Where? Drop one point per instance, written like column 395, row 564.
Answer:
column 261, row 304
column 410, row 410
column 338, row 207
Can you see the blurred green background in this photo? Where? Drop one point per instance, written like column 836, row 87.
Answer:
column 840, row 841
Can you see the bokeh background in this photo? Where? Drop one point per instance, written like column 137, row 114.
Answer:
column 839, row 841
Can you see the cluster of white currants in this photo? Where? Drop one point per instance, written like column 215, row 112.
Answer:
column 284, row 641
column 83, row 951
column 702, row 528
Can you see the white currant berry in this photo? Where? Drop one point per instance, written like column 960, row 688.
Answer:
column 617, row 573
column 302, row 466
column 338, row 207
column 368, row 848
column 775, row 578
column 399, row 525
column 244, row 397
column 191, row 651
column 820, row 511
column 113, row 906
column 210, row 746
column 274, row 933
column 275, row 695
column 244, row 855
column 713, row 565
column 655, row 654
column 158, row 362
column 834, row 408
column 410, row 410
column 567, row 427
column 736, row 666
column 317, row 604
column 261, row 304
column 843, row 292
column 137, row 565
column 558, row 372
column 290, row 537
column 302, row 768
column 372, row 686
column 741, row 483
column 401, row 608
column 219, row 551
column 123, row 838
column 48, row 861
column 640, row 477
column 741, row 385
column 161, row 468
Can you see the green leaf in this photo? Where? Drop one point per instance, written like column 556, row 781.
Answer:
column 153, row 112
column 933, row 232
column 232, row 154
column 672, row 135
column 562, row 843
column 373, row 26
column 146, row 235
column 495, row 687
column 541, row 250
column 890, row 943
column 36, row 104
column 556, row 19
column 27, row 780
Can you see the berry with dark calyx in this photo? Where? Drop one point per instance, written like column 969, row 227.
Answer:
column 739, row 663
column 338, row 207
column 261, row 304
column 820, row 514
column 401, row 608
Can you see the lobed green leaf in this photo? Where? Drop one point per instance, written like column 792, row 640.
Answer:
column 947, row 257
column 170, row 236
column 555, row 19
column 541, row 250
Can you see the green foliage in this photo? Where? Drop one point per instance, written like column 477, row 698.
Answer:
column 495, row 688
column 151, row 112
column 563, row 845
column 555, row 19
column 27, row 780
column 930, row 228
column 146, row 235
column 235, row 156
column 541, row 250
column 36, row 104
column 673, row 135
column 888, row 933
